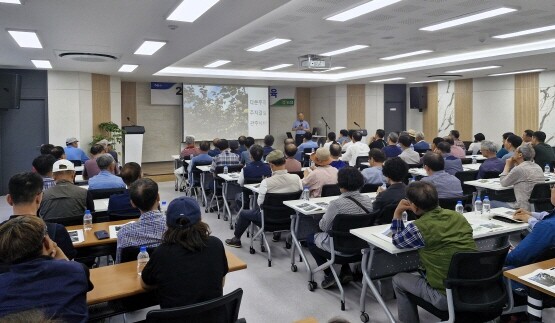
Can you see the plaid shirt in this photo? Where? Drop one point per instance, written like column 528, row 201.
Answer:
column 147, row 232
column 226, row 157
column 48, row 182
column 406, row 238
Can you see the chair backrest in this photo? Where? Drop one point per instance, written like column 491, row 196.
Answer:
column 361, row 159
column 385, row 216
column 343, row 240
column 491, row 174
column 277, row 215
column 230, row 169
column 223, row 309
column 106, row 193
column 305, row 159
column 467, row 144
column 370, row 188
column 67, row 221
column 541, row 197
column 253, row 180
column 300, row 174
column 289, row 135
column 467, row 176
column 330, row 190
column 76, row 162
column 450, row 203
column 130, row 253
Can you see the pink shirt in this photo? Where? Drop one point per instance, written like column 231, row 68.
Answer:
column 292, row 165
column 319, row 177
column 458, row 152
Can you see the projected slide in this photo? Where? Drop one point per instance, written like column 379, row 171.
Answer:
column 225, row 111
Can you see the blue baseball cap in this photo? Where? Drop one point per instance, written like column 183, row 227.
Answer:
column 183, row 208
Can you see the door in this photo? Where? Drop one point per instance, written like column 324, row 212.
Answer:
column 394, row 116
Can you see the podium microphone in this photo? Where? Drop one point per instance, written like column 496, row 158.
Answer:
column 356, row 124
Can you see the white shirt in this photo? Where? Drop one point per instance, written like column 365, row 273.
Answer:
column 355, row 150
column 410, row 156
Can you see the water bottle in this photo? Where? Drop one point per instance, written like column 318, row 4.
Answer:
column 547, row 169
column 413, row 179
column 474, row 161
column 405, row 217
column 87, row 221
column 225, row 169
column 164, row 207
column 486, row 205
column 142, row 259
column 313, row 150
column 306, row 194
column 384, row 186
column 478, row 205
column 459, row 207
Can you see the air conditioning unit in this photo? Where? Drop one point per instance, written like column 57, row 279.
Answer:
column 311, row 62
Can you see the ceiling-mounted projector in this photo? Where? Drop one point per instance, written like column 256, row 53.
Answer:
column 312, row 62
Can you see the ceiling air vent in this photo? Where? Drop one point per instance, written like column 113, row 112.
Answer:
column 88, row 57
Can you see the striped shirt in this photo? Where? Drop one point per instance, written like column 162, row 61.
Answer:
column 147, row 232
column 48, row 182
column 406, row 237
column 226, row 157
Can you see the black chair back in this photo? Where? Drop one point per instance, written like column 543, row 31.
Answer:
column 130, row 253
column 491, row 174
column 76, row 162
column 385, row 216
column 305, row 159
column 300, row 174
column 276, row 215
column 467, row 144
column 360, row 160
column 450, row 203
column 467, row 176
column 330, row 190
column 541, row 197
column 415, row 165
column 343, row 240
column 195, row 172
column 223, row 309
column 67, row 221
column 106, row 193
column 370, row 188
column 289, row 135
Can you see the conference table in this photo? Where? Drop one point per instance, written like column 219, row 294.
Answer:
column 229, row 177
column 204, row 169
column 422, row 172
column 494, row 184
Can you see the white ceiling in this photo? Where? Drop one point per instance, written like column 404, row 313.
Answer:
column 231, row 26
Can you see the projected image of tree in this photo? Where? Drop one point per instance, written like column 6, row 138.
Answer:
column 211, row 110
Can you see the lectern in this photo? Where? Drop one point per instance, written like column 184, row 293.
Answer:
column 133, row 144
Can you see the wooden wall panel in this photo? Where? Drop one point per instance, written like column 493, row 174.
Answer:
column 128, row 103
column 526, row 102
column 356, row 104
column 303, row 103
column 429, row 118
column 463, row 108
column 100, row 101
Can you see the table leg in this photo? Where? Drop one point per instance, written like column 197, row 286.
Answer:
column 224, row 196
column 205, row 199
column 369, row 260
column 294, row 228
column 535, row 305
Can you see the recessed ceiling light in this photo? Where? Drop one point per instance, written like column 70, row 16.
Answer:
column 191, row 10
column 428, row 81
column 11, row 1
column 519, row 72
column 418, row 52
column 276, row 67
column 470, row 18
column 269, row 44
column 526, row 32
column 26, row 39
column 344, row 50
column 474, row 69
column 127, row 68
column 332, row 69
column 217, row 63
column 388, row 80
column 361, row 10
column 149, row 47
column 41, row 63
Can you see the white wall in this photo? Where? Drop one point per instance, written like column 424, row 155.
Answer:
column 547, row 106
column 281, row 121
column 340, row 109
column 323, row 104
column 374, row 108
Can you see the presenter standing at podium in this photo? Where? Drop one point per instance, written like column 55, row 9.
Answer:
column 300, row 126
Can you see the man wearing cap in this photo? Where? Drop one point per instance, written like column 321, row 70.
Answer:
column 280, row 182
column 73, row 152
column 322, row 174
column 109, row 149
column 65, row 199
column 151, row 226
column 190, row 265
column 106, row 178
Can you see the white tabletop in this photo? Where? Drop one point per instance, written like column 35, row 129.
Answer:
column 468, row 167
column 478, row 157
column 101, row 205
column 495, row 183
column 253, row 187
column 417, row 172
column 374, row 235
column 79, row 168
column 312, row 207
column 365, row 164
column 79, row 179
column 204, row 168
column 229, row 177
column 176, row 156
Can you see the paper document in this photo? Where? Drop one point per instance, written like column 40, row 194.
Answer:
column 544, row 278
column 485, row 226
column 113, row 229
column 311, row 207
column 76, row 236
column 505, row 215
column 386, row 235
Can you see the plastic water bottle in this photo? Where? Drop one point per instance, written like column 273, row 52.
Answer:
column 312, row 150
column 87, row 221
column 405, row 217
column 164, row 207
column 474, row 161
column 225, row 169
column 142, row 259
column 547, row 169
column 384, row 186
column 478, row 205
column 486, row 205
column 306, row 194
column 459, row 207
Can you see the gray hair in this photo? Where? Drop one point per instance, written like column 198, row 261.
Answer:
column 104, row 161
column 488, row 145
column 393, row 137
column 419, row 135
column 190, row 140
column 527, row 151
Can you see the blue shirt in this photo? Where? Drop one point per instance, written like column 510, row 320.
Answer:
column 300, row 150
column 491, row 165
column 214, row 152
column 391, row 151
column 338, row 164
column 73, row 153
column 502, row 152
column 105, row 180
column 202, row 159
column 447, row 185
column 452, row 164
column 120, row 204
column 297, row 123
column 245, row 157
column 267, row 150
column 540, row 239
column 373, row 175
column 421, row 145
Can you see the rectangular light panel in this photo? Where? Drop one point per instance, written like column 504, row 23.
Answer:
column 344, row 50
column 388, row 80
column 149, row 47
column 470, row 18
column 526, row 32
column 40, row 63
column 362, row 10
column 26, row 39
column 191, row 10
column 127, row 68
column 428, row 81
column 277, row 67
column 217, row 63
column 11, row 1
column 418, row 52
column 519, row 72
column 474, row 69
column 269, row 44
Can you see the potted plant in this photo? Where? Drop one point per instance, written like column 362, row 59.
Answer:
column 110, row 131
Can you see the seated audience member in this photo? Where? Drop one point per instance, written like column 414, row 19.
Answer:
column 395, row 171
column 455, row 150
column 435, row 142
column 65, row 199
column 377, row 140
column 410, row 156
column 24, row 196
column 447, row 185
column 234, row 147
column 330, row 140
column 73, row 152
column 90, row 168
column 438, row 234
column 58, row 152
column 544, row 152
column 420, row 143
column 492, row 163
column 527, row 135
column 320, row 175
column 268, row 142
column 477, row 144
column 307, row 144
column 344, row 137
column 120, row 204
column 350, row 201
column 35, row 273
column 523, row 173
column 279, row 182
column 43, row 166
column 502, row 152
column 242, row 140
column 257, row 168
column 109, row 149
column 392, row 150
column 245, row 155
column 455, row 135
column 288, row 141
column 45, row 149
column 355, row 150
column 216, row 151
column 106, row 178
column 225, row 158
column 291, row 164
column 201, row 159
column 190, row 150
column 190, row 265
column 511, row 144
column 335, row 152
column 150, row 227
column 346, row 144
column 452, row 163
column 373, row 174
